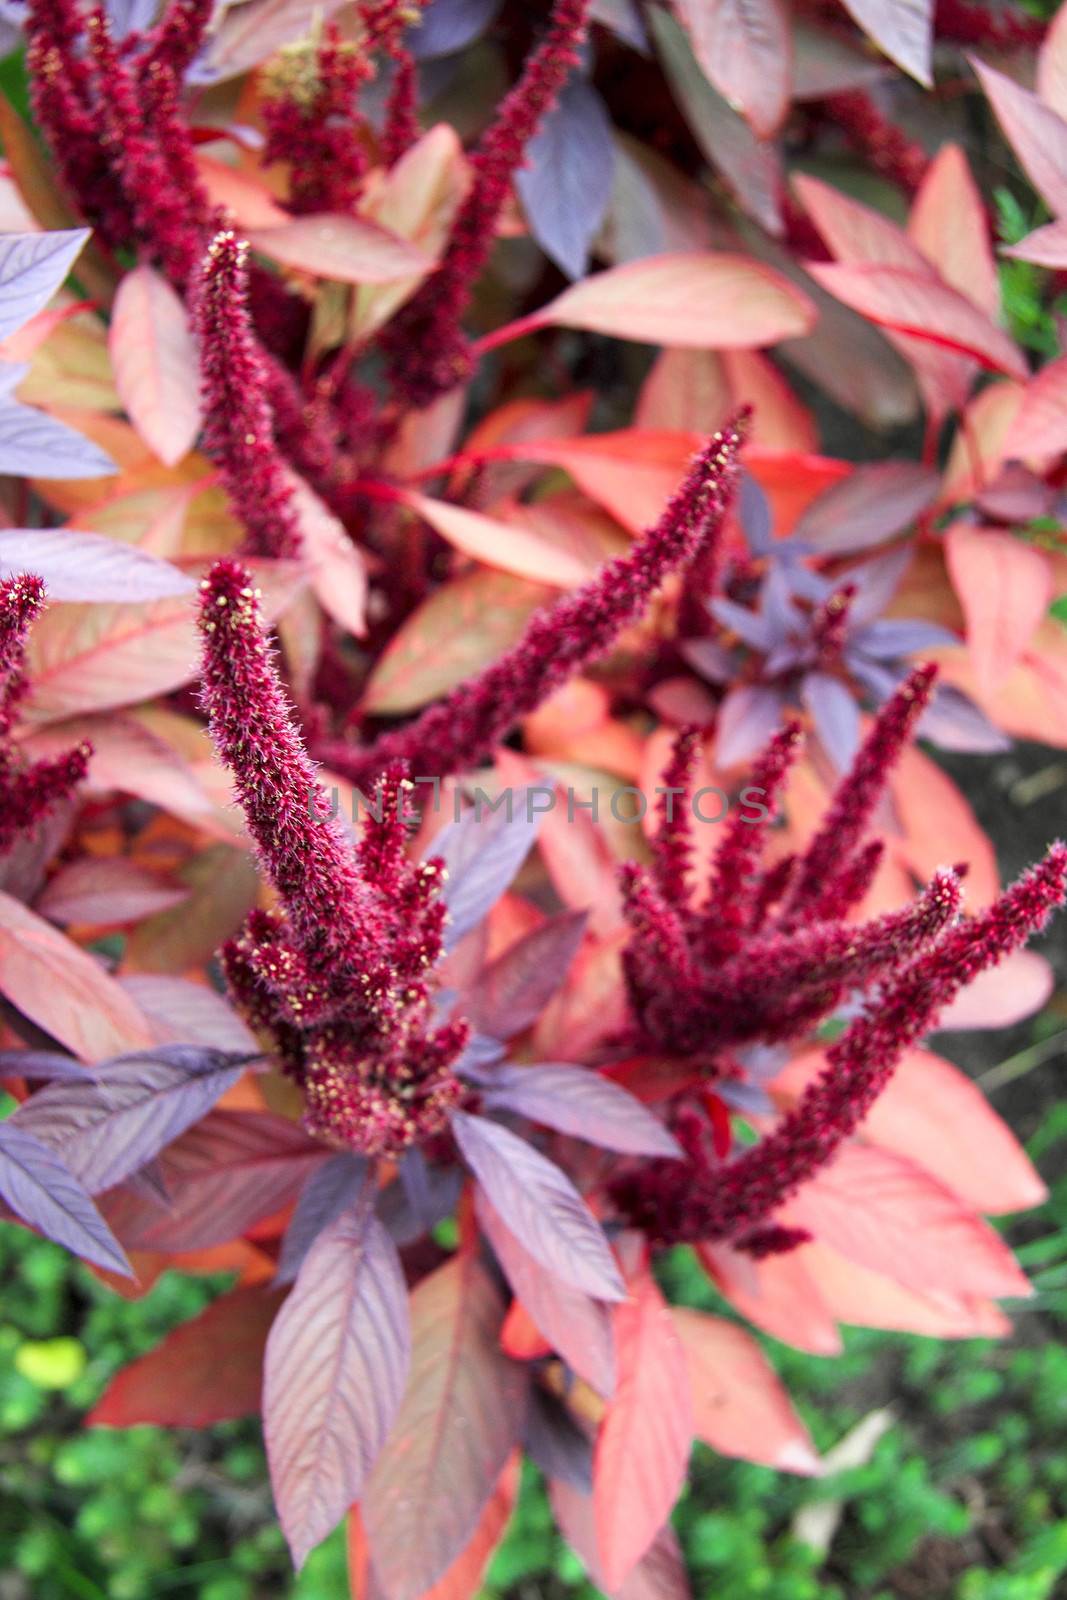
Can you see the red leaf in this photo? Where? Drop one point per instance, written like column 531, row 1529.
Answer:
column 1005, row 589
column 206, row 1371
column 883, row 1212
column 1035, row 132
column 458, row 1424
column 642, row 1450
column 697, row 300
column 935, row 1116
column 155, row 364
column 576, row 1325
column 919, row 305
column 510, row 994
column 744, row 47
column 336, row 1365
column 950, row 225
column 740, row 1407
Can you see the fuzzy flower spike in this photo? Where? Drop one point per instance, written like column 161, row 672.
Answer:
column 425, row 346
column 29, row 792
column 338, row 981
column 768, row 956
column 466, row 726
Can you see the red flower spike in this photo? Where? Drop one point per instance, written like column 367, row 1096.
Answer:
column 313, row 123
column 402, row 109
column 672, row 846
column 424, row 345
column 28, row 792
column 465, row 727
column 238, row 424
column 858, row 794
column 735, row 882
column 339, row 983
column 878, row 140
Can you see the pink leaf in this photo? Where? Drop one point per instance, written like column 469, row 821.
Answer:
column 341, row 248
column 935, row 1116
column 1005, row 589
column 885, row 1213
column 698, row 301
column 744, row 47
column 1035, row 132
column 206, row 1371
column 59, row 986
column 1004, row 995
column 950, row 225
column 99, row 890
column 642, row 1450
column 579, row 1101
column 338, row 570
column 575, row 1324
column 740, row 1407
column 919, row 305
column 336, row 1365
column 1040, row 424
column 1045, row 247
column 498, row 544
column 458, row 1424
column 856, row 234
column 902, row 28
column 1052, row 64
column 659, row 1575
column 155, row 364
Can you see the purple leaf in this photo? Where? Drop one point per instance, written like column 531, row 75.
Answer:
column 754, row 514
column 879, row 681
column 540, row 1205
column 835, row 716
column 579, row 1101
column 35, row 445
column 40, row 1190
column 106, row 890
column 479, row 1057
column 482, row 853
column 556, row 1444
column 336, row 1364
column 954, row 722
column 222, row 1177
column 512, row 991
column 872, row 505
column 566, row 184
column 86, row 566
column 184, row 1011
column 876, row 582
column 444, row 1187
column 890, row 637
column 461, row 1417
column 329, row 1190
column 44, row 1066
column 32, row 267
column 105, row 1130
column 575, row 1324
column 450, row 25
column 751, row 628
column 747, row 718
column 776, row 603
column 709, row 659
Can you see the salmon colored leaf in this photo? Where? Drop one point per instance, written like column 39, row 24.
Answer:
column 739, row 1405
column 642, row 1450
column 1036, row 133
column 1005, row 589
column 950, row 225
column 343, row 249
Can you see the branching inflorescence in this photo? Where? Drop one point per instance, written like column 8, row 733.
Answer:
column 338, row 980
column 29, row 791
column 768, row 956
